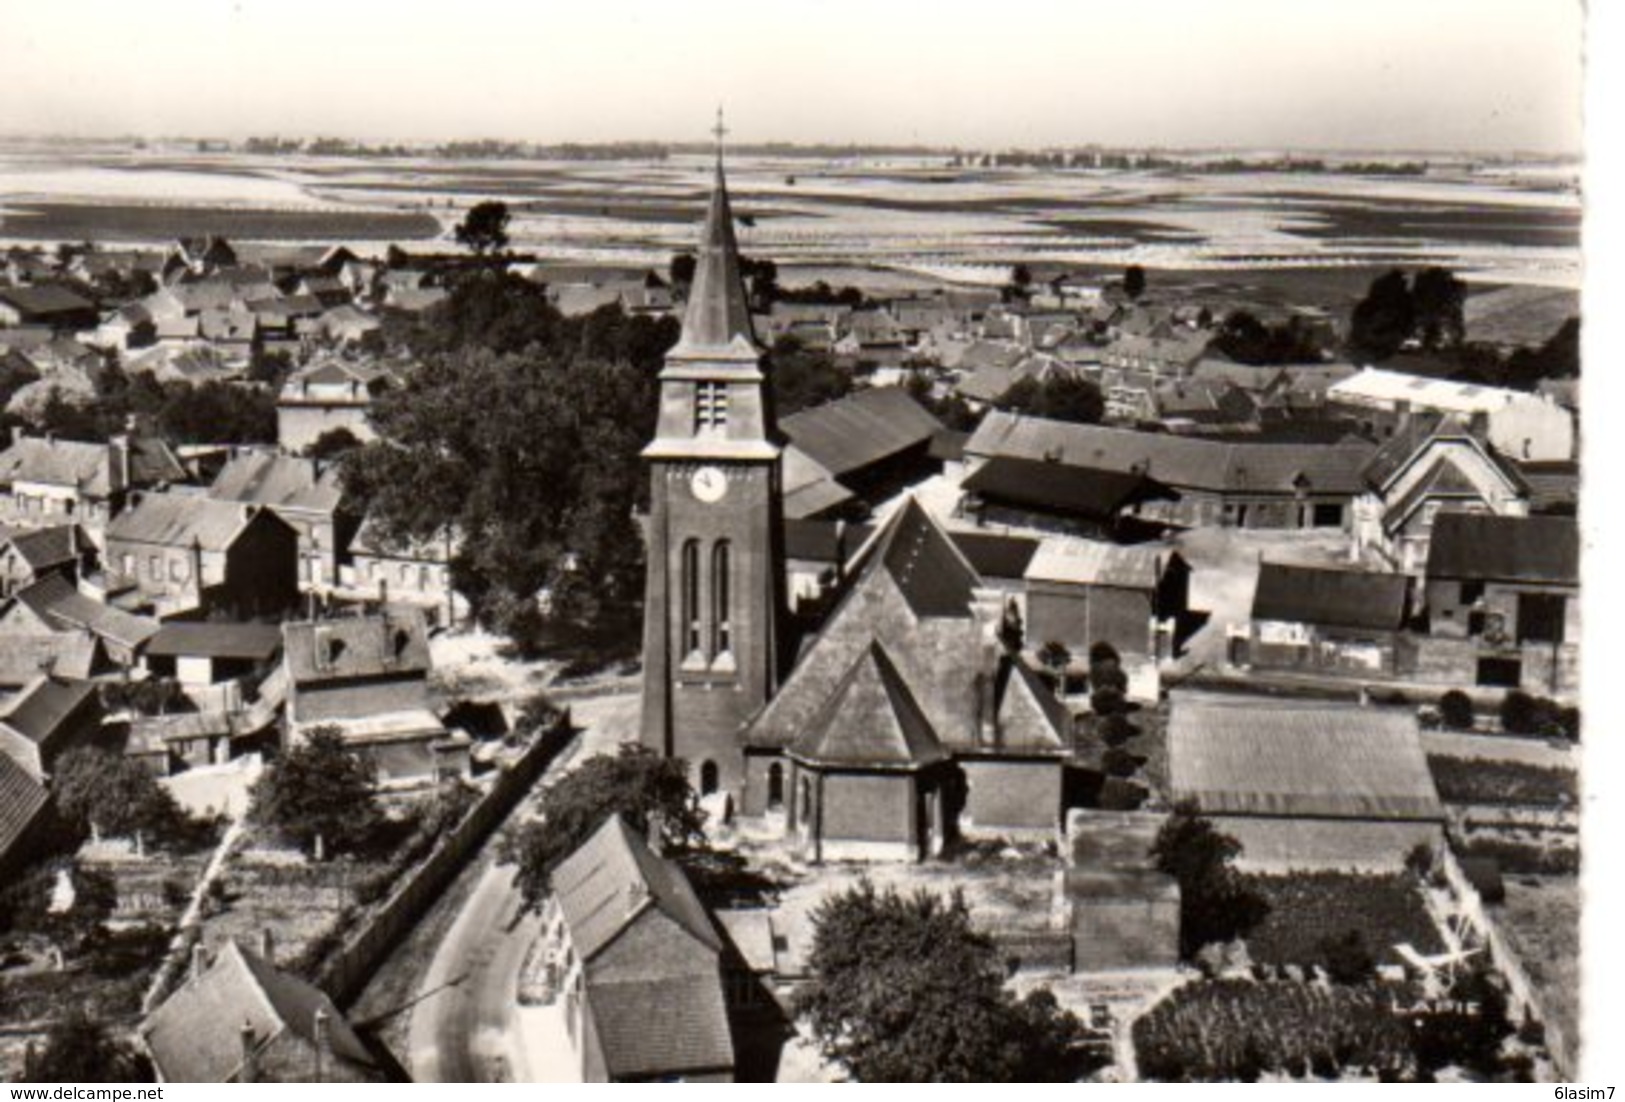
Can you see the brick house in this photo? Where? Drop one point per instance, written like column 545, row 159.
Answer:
column 187, row 552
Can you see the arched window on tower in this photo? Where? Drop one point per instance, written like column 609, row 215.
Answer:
column 721, row 621
column 690, row 582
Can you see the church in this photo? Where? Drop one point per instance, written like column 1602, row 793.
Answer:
column 901, row 722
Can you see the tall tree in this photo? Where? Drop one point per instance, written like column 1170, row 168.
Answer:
column 112, row 793
column 802, row 377
column 1059, row 397
column 1134, row 281
column 905, row 990
column 319, row 789
column 1214, row 902
column 484, row 230
column 1439, row 299
column 1385, row 319
column 79, row 1049
column 639, row 785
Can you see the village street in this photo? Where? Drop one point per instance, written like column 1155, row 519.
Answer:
column 459, row 1030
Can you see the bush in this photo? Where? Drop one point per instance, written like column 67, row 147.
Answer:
column 1119, row 762
column 1121, row 795
column 1346, row 959
column 1115, row 729
column 1108, row 702
column 1471, row 781
column 1456, row 710
column 1522, row 714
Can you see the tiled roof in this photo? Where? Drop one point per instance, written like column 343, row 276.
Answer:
column 395, row 642
column 210, row 639
column 196, row 1035
column 861, row 429
column 44, row 705
column 180, row 520
column 22, row 798
column 58, row 463
column 1511, row 549
column 1331, row 598
column 57, row 599
column 46, row 298
column 44, row 547
column 278, row 480
column 870, row 721
column 1254, row 756
column 662, row 1027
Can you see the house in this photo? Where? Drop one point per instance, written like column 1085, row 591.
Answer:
column 331, row 393
column 1164, row 352
column 1431, row 463
column 187, row 552
column 1330, row 621
column 1503, row 602
column 28, row 555
column 129, row 327
column 48, row 717
column 903, row 723
column 1520, row 425
column 305, row 493
column 368, row 676
column 55, row 606
column 1081, row 593
column 46, row 482
column 207, row 652
column 239, row 1018
column 872, row 442
column 632, row 968
column 348, row 324
column 1242, row 485
column 1305, row 785
column 74, row 655
column 46, row 304
column 1009, row 491
column 415, row 573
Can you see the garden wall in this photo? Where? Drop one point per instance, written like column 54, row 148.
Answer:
column 346, row 971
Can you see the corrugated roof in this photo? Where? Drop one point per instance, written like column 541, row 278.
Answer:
column 870, row 721
column 1332, row 598
column 1255, row 756
column 1179, row 461
column 1060, row 487
column 607, row 882
column 861, row 429
column 1376, row 385
column 1511, row 549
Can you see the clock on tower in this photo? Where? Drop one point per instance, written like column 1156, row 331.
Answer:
column 715, row 569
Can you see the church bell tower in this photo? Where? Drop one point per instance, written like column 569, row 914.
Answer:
column 714, row 561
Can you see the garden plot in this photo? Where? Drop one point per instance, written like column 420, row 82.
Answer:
column 1541, row 919
column 1307, row 909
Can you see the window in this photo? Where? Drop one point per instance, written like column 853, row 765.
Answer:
column 155, row 568
column 1472, row 592
column 775, row 786
column 721, row 628
column 177, row 570
column 710, row 406
column 1540, row 617
column 708, row 778
column 691, row 596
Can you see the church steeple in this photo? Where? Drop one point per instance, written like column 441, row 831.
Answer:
column 716, row 324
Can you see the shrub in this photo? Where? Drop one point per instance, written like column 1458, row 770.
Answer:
column 1119, row 762
column 1121, row 795
column 1456, row 710
column 1346, row 958
column 1115, row 729
column 1101, row 653
column 1108, row 702
column 1522, row 714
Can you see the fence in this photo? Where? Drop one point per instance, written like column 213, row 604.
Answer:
column 346, row 971
column 1522, row 991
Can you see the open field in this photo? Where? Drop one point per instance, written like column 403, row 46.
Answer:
column 138, row 223
column 1541, row 917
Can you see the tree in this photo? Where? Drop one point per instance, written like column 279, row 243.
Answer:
column 485, row 228
column 332, row 445
column 1438, row 299
column 1055, row 658
column 114, row 794
column 635, row 783
column 1558, row 358
column 1134, row 281
column 1214, row 903
column 1059, row 397
column 1385, row 319
column 1456, row 710
column 682, row 269
column 1021, row 283
column 1346, row 959
column 904, row 989
column 79, row 1049
column 803, row 377
column 319, row 789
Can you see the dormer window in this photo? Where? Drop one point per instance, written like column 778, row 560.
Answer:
column 710, row 406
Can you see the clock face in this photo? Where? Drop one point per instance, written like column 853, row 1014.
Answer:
column 709, row 484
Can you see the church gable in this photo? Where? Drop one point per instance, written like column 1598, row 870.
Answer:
column 1450, row 468
column 1029, row 718
column 870, row 720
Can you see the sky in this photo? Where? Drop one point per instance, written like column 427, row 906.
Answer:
column 1472, row 75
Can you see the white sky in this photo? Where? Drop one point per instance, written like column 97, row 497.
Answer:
column 1489, row 75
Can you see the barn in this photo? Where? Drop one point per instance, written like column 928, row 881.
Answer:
column 1305, row 784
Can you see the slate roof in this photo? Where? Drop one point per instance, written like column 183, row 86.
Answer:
column 45, row 298
column 1256, row 756
column 22, row 799
column 195, row 1036
column 1396, row 452
column 62, row 654
column 388, row 644
column 934, row 577
column 215, row 639
column 57, row 599
column 1029, row 717
column 995, row 556
column 717, row 317
column 870, row 721
column 59, row 463
column 180, row 520
column 43, row 547
column 39, row 711
column 1063, row 488
column 278, row 480
column 1179, row 461
column 1331, row 598
column 861, row 429
column 1509, row 549
column 607, row 881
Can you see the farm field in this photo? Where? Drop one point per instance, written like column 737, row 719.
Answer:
column 1305, row 908
column 131, row 222
column 1541, row 917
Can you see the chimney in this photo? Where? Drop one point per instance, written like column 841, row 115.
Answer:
column 268, row 945
column 200, row 961
column 656, row 834
column 118, row 454
column 322, row 1043
column 247, row 1071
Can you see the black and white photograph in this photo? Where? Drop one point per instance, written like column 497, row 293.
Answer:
column 805, row 542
